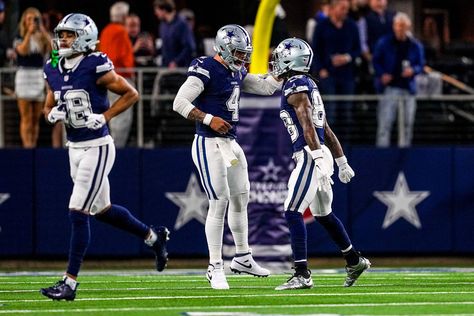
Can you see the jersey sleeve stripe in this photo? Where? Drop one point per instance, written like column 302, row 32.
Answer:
column 199, row 70
column 295, row 90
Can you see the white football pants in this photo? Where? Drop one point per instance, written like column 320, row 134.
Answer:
column 302, row 188
column 226, row 185
column 90, row 168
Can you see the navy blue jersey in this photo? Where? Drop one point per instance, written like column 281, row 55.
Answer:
column 302, row 84
column 77, row 91
column 221, row 95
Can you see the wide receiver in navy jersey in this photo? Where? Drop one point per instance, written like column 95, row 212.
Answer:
column 314, row 144
column 210, row 96
column 78, row 81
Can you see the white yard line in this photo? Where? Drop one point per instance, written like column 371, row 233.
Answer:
column 220, row 296
column 228, row 307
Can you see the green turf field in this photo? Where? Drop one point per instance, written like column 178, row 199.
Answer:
column 378, row 292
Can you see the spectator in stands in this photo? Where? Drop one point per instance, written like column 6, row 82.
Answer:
column 32, row 45
column 398, row 58
column 142, row 42
column 336, row 45
column 379, row 22
column 51, row 18
column 178, row 43
column 114, row 41
column 312, row 22
column 189, row 17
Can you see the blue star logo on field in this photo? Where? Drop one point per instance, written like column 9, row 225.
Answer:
column 192, row 203
column 401, row 203
column 270, row 171
column 4, row 197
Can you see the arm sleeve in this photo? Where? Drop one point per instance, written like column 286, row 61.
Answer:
column 189, row 91
column 258, row 84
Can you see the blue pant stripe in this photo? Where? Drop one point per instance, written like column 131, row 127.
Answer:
column 298, row 183
column 96, row 172
column 200, row 168
column 307, row 184
column 102, row 172
column 214, row 195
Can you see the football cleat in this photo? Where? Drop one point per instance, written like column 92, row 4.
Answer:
column 60, row 291
column 216, row 276
column 159, row 247
column 296, row 282
column 246, row 264
column 353, row 272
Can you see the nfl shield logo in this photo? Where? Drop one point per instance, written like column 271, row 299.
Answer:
column 66, row 78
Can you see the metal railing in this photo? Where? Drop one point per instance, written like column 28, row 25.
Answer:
column 151, row 101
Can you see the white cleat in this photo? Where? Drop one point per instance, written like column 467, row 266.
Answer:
column 246, row 264
column 354, row 272
column 216, row 276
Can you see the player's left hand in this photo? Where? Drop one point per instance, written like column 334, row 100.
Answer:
column 95, row 121
column 345, row 171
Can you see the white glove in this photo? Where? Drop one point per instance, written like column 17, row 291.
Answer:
column 323, row 179
column 345, row 171
column 95, row 121
column 56, row 115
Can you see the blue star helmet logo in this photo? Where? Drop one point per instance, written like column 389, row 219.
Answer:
column 288, row 46
column 230, row 34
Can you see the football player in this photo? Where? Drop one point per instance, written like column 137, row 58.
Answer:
column 314, row 144
column 78, row 80
column 210, row 96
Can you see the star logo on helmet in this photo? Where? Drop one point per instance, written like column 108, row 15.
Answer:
column 230, row 34
column 288, row 46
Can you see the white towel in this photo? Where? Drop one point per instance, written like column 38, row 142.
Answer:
column 227, row 153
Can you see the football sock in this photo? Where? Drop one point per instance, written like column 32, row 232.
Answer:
column 71, row 282
column 80, row 237
column 238, row 222
column 351, row 256
column 151, row 239
column 301, row 268
column 336, row 230
column 119, row 217
column 215, row 228
column 298, row 235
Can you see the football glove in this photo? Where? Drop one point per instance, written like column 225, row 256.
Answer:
column 95, row 121
column 345, row 171
column 323, row 179
column 56, row 115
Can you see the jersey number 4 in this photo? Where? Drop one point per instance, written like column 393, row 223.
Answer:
column 232, row 103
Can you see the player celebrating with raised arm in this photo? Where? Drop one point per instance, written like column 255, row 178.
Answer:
column 77, row 94
column 210, row 96
column 302, row 112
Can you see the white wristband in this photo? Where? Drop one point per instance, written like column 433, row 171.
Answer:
column 207, row 119
column 316, row 154
column 341, row 160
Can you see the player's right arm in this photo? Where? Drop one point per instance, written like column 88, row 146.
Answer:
column 188, row 92
column 303, row 109
column 52, row 113
column 332, row 142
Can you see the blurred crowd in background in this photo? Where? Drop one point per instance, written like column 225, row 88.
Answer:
column 362, row 47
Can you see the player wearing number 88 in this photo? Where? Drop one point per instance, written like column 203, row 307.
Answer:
column 77, row 82
column 314, row 144
column 210, row 96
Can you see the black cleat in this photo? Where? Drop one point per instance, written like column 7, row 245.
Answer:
column 159, row 247
column 60, row 291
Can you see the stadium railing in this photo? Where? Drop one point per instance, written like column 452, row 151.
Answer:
column 440, row 119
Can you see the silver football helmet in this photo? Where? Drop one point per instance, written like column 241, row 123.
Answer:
column 233, row 45
column 291, row 54
column 85, row 30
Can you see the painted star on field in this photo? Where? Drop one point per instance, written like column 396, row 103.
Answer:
column 192, row 203
column 401, row 203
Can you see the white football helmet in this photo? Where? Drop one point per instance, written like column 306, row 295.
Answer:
column 291, row 54
column 85, row 30
column 234, row 46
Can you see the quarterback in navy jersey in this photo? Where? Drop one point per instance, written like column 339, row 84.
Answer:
column 314, row 144
column 210, row 96
column 78, row 81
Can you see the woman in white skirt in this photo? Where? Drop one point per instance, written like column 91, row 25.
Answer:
column 32, row 46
